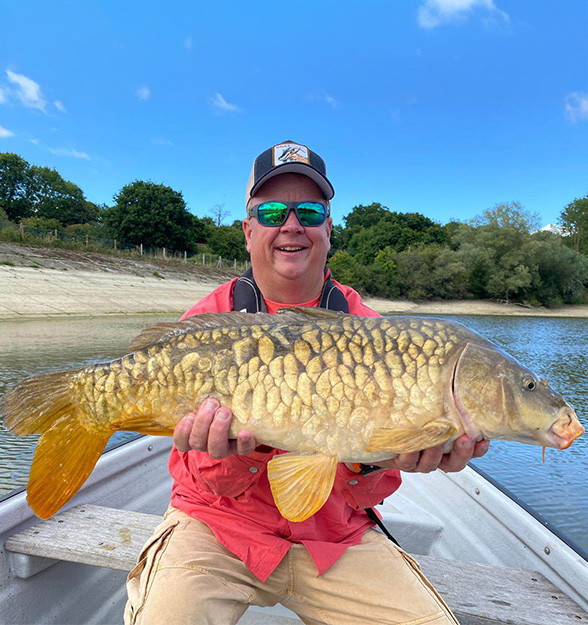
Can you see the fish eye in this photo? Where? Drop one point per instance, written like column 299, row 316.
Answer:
column 529, row 384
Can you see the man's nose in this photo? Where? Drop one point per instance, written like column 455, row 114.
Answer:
column 292, row 224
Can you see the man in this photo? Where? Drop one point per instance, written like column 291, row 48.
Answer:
column 223, row 544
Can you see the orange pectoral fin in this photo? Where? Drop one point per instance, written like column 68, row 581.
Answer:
column 301, row 484
column 406, row 440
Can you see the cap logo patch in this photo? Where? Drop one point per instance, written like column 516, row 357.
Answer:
column 289, row 153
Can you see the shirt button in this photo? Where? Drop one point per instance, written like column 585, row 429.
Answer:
column 253, row 469
column 353, row 482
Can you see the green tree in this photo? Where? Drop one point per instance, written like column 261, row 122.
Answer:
column 56, row 198
column 42, row 222
column 495, row 251
column 15, row 196
column 396, row 230
column 510, row 215
column 562, row 273
column 364, row 216
column 431, row 272
column 151, row 214
column 228, row 242
column 574, row 224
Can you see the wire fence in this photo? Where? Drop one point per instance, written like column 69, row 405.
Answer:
column 83, row 241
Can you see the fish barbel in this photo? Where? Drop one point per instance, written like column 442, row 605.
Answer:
column 328, row 387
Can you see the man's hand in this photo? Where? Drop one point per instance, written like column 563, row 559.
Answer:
column 207, row 429
column 464, row 449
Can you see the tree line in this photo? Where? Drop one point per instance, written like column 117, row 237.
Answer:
column 500, row 254
column 143, row 212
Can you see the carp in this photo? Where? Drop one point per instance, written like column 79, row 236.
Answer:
column 327, row 387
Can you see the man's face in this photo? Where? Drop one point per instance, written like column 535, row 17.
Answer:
column 291, row 251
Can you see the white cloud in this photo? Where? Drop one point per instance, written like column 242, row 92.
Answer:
column 143, row 93
column 324, row 97
column 61, row 151
column 161, row 141
column 5, row 133
column 66, row 152
column 577, row 106
column 437, row 12
column 59, row 106
column 3, row 96
column 188, row 43
column 27, row 91
column 331, row 101
column 222, row 106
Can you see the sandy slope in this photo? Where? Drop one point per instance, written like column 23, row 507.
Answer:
column 42, row 282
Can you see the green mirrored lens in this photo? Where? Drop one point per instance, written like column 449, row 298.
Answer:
column 272, row 213
column 311, row 213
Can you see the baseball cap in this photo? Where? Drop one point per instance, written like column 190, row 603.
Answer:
column 288, row 157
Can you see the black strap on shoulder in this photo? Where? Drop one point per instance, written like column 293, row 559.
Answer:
column 248, row 298
column 374, row 517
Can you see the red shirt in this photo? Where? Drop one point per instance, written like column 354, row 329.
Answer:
column 233, row 497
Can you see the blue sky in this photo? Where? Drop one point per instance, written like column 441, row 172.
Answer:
column 444, row 107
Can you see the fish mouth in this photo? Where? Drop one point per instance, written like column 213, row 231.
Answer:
column 566, row 429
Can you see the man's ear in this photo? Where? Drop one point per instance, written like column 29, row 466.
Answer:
column 247, row 231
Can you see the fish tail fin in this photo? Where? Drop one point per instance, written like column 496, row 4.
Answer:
column 67, row 450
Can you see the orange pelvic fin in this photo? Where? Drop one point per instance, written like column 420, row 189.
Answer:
column 301, row 484
column 408, row 439
column 544, row 448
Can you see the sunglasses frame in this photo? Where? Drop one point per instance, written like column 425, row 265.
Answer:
column 290, row 206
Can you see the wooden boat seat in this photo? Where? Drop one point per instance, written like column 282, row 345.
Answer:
column 112, row 538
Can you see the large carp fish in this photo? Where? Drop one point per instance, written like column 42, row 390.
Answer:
column 328, row 387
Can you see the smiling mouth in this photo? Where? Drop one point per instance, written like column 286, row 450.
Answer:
column 291, row 248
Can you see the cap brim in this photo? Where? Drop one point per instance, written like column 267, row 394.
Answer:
column 297, row 168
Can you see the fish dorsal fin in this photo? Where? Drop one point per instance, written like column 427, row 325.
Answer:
column 161, row 332
column 309, row 313
column 301, row 484
column 408, row 439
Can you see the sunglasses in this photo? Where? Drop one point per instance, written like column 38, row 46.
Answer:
column 276, row 213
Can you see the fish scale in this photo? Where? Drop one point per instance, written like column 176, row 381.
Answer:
column 328, row 387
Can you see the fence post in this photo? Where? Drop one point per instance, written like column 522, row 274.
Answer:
column 203, row 259
column 164, row 252
column 220, row 262
column 234, row 263
column 115, row 245
column 185, row 257
column 22, row 231
column 86, row 239
column 141, row 246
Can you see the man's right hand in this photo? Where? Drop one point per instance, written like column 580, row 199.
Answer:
column 207, row 429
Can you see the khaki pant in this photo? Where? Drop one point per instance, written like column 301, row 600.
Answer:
column 185, row 576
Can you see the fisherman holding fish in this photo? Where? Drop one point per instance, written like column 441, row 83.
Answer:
column 288, row 427
column 223, row 544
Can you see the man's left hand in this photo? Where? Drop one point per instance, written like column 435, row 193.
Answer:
column 464, row 449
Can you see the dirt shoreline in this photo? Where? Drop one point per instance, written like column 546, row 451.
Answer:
column 42, row 282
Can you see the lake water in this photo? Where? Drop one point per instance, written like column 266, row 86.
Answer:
column 554, row 348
